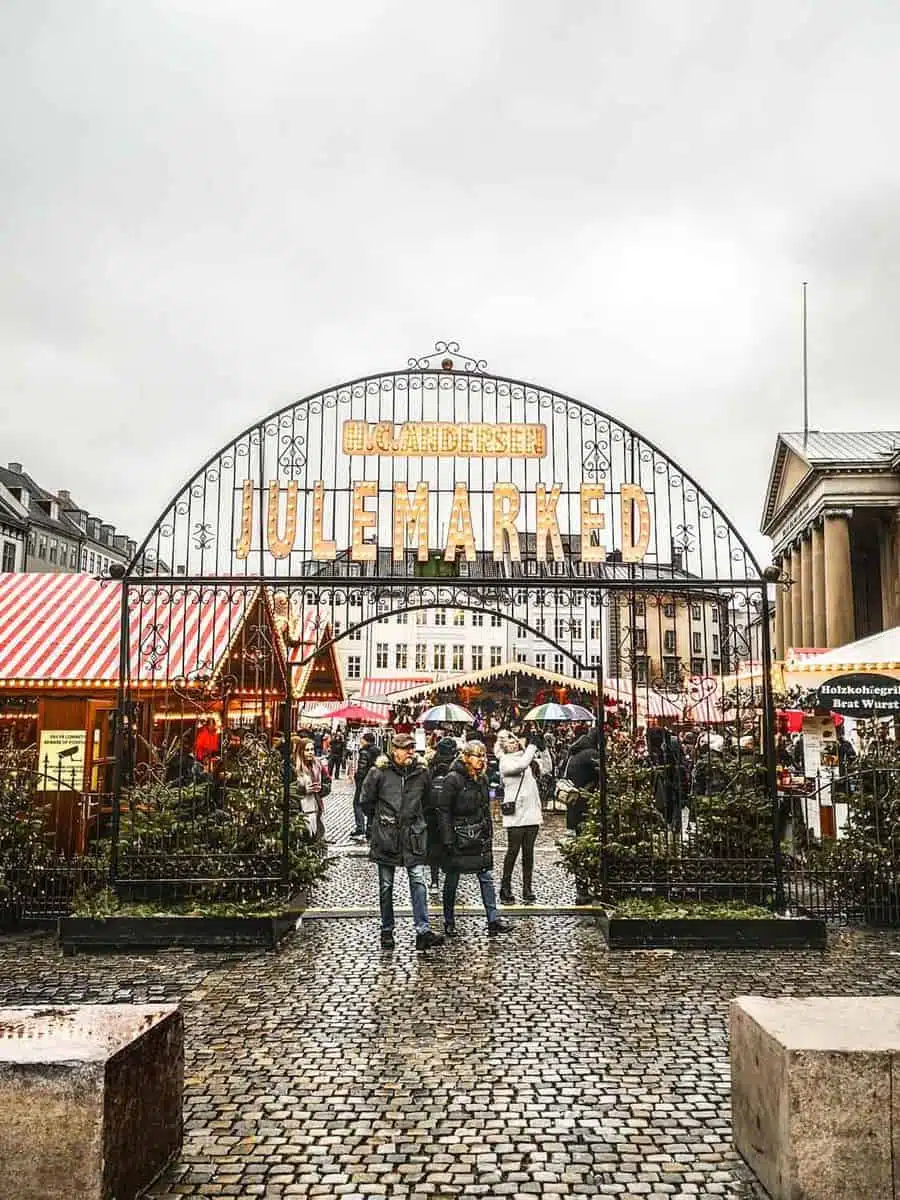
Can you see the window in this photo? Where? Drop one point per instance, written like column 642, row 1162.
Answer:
column 539, row 626
column 558, row 663
column 496, row 620
column 521, row 632
column 31, row 541
column 696, row 614
column 90, row 563
column 669, row 608
column 477, row 658
column 84, row 560
column 715, row 616
column 382, row 611
column 421, row 657
column 400, row 657
column 715, row 666
column 457, row 660
column 595, row 660
column 354, row 634
column 496, row 656
column 595, row 630
column 522, row 656
column 698, row 667
column 540, row 660
column 697, row 643
column 716, row 642
column 355, row 600
column 641, row 670
column 477, row 619
column 439, row 656
column 42, row 546
column 440, row 616
column 575, row 628
column 669, row 641
column 53, row 551
column 560, row 628
column 73, row 557
column 421, row 616
column 354, row 666
column 671, row 671
column 9, row 556
column 381, row 654
column 640, row 639
column 402, row 618
column 595, row 599
column 521, row 597
column 459, row 617
column 640, row 608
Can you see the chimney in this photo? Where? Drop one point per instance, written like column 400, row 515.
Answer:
column 16, row 467
column 65, row 498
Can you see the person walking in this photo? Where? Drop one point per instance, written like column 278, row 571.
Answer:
column 467, row 834
column 522, row 815
column 368, row 753
column 394, row 796
column 445, row 753
column 583, row 771
column 336, row 753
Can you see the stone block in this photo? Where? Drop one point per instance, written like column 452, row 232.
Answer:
column 90, row 1099
column 812, row 1094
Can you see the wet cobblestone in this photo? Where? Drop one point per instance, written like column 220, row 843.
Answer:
column 531, row 1065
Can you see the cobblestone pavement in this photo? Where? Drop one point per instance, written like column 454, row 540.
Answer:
column 533, row 1064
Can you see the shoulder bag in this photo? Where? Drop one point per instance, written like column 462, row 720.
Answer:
column 508, row 807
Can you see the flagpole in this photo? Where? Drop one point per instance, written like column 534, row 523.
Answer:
column 805, row 388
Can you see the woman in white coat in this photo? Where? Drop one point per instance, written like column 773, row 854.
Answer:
column 520, row 787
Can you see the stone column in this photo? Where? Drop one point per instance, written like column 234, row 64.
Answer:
column 890, row 570
column 806, row 576
column 779, row 614
column 840, row 621
column 796, row 632
column 818, row 586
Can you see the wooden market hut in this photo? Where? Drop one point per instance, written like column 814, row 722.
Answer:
column 192, row 652
column 510, row 683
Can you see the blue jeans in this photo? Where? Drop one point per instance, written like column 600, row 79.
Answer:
column 488, row 895
column 418, row 894
column 359, row 816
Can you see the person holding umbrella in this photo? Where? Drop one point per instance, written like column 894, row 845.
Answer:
column 467, row 834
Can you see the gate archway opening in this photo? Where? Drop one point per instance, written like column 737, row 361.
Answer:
column 437, row 487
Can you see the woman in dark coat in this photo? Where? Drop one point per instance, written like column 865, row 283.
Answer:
column 467, row 835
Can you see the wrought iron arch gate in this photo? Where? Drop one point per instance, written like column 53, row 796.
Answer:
column 440, row 486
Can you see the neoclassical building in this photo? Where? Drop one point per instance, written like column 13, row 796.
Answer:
column 832, row 511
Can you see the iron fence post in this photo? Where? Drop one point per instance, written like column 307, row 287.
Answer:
column 119, row 740
column 286, row 777
column 769, row 747
column 601, row 750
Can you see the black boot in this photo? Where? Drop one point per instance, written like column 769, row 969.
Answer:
column 506, row 894
column 450, row 929
column 387, row 939
column 499, row 926
column 424, row 941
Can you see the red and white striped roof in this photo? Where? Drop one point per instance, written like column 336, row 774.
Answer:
column 384, row 685
column 66, row 627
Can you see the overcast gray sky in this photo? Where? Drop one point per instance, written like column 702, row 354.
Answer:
column 212, row 206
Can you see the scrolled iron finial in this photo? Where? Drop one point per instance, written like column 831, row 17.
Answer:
column 447, row 356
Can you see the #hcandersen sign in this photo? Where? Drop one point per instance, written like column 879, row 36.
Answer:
column 410, row 512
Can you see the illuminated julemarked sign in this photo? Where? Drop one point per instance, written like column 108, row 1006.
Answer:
column 410, row 514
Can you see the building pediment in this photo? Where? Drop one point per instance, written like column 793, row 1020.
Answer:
column 790, row 470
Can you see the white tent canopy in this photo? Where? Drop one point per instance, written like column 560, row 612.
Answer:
column 879, row 651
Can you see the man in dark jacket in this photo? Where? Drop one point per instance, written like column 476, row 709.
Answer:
column 582, row 770
column 364, row 763
column 467, row 833
column 394, row 798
